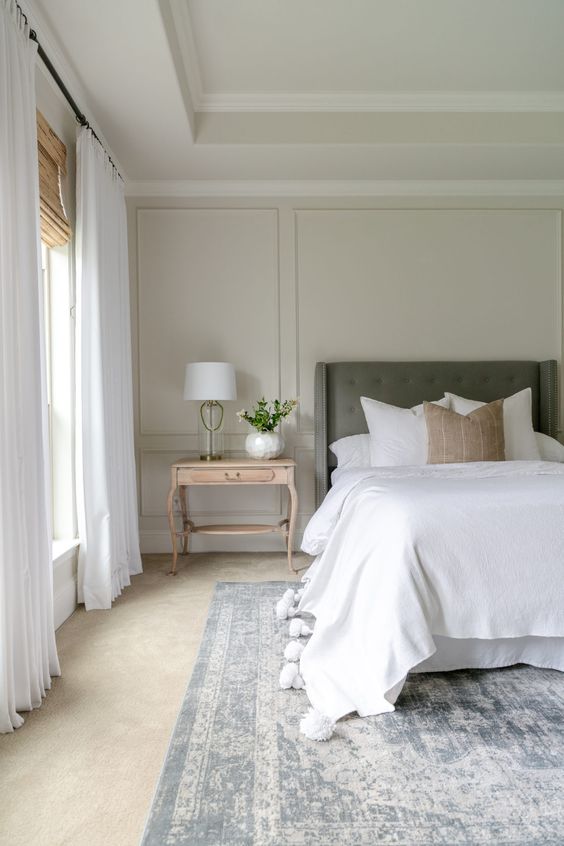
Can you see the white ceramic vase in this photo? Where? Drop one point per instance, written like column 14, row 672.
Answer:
column 264, row 445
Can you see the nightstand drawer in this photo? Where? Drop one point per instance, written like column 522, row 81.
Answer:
column 233, row 475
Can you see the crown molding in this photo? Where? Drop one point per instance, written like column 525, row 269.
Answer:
column 181, row 17
column 345, row 188
column 180, row 35
column 189, row 74
column 385, row 101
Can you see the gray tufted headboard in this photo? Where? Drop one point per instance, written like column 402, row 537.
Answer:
column 339, row 386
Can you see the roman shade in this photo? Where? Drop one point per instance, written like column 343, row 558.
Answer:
column 52, row 154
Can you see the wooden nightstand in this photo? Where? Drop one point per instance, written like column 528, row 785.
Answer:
column 232, row 471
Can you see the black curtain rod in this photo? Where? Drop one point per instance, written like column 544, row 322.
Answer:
column 80, row 116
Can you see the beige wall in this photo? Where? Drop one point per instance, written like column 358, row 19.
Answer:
column 275, row 286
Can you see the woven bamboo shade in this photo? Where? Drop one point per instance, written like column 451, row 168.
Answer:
column 55, row 228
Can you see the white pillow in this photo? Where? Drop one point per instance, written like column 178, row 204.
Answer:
column 520, row 442
column 398, row 436
column 550, row 449
column 352, row 451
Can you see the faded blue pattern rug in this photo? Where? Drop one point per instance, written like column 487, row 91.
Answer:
column 469, row 757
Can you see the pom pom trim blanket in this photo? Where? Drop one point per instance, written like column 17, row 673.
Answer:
column 413, row 554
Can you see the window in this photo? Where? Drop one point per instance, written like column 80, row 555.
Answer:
column 59, row 327
column 59, row 340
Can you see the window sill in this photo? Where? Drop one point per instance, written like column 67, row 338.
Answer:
column 63, row 549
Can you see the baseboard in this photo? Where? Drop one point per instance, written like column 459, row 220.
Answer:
column 158, row 541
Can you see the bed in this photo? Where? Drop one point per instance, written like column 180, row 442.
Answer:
column 429, row 568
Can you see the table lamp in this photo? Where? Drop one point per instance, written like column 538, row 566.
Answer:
column 210, row 382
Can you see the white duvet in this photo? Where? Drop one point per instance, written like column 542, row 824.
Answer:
column 407, row 555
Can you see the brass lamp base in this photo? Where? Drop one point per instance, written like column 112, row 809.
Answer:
column 211, row 457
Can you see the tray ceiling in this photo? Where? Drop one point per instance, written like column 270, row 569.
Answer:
column 299, row 47
column 319, row 89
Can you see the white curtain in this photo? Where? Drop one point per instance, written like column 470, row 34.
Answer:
column 106, row 483
column 28, row 655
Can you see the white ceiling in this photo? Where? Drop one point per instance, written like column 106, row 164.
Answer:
column 318, row 89
column 302, row 46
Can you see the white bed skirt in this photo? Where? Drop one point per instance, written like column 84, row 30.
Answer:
column 458, row 653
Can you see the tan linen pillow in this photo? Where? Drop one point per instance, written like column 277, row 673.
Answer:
column 453, row 437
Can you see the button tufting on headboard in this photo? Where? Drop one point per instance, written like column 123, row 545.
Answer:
column 339, row 386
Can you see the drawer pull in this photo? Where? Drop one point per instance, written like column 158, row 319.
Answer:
column 234, row 478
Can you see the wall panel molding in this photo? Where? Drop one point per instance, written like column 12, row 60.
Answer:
column 317, row 248
column 372, row 298
column 213, row 231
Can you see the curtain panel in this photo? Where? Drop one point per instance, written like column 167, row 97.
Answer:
column 28, row 656
column 106, row 479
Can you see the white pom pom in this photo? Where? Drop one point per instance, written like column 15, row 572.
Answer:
column 288, row 675
column 317, row 726
column 299, row 594
column 293, row 651
column 292, row 612
column 284, row 606
column 295, row 629
column 298, row 682
column 299, row 629
column 281, row 609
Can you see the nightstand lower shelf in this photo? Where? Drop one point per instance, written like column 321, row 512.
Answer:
column 239, row 529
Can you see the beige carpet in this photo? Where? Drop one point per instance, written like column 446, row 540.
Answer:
column 82, row 769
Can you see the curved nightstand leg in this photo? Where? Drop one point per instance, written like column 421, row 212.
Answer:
column 283, row 525
column 172, row 527
column 185, row 522
column 292, row 515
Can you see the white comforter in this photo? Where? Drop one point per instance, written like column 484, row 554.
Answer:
column 407, row 554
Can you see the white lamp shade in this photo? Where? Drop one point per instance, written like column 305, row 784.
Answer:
column 209, row 380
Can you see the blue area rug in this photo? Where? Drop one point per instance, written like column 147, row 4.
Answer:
column 468, row 757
